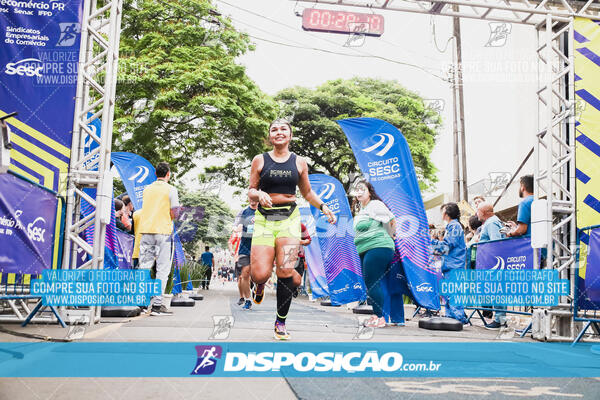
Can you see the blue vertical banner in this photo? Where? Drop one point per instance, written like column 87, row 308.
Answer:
column 136, row 173
column 384, row 157
column 510, row 254
column 588, row 278
column 314, row 259
column 38, row 79
column 340, row 259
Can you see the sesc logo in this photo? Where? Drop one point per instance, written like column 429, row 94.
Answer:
column 499, row 263
column 207, row 359
column 386, row 140
column 327, row 191
column 27, row 67
column 36, row 233
column 424, row 287
column 140, row 175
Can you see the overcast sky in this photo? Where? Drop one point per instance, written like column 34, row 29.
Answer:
column 500, row 79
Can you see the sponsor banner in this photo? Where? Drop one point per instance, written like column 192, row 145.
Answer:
column 38, row 78
column 301, row 359
column 534, row 288
column 314, row 259
column 124, row 249
column 136, row 173
column 385, row 159
column 509, row 254
column 589, row 288
column 27, row 222
column 340, row 259
column 95, row 287
column 587, row 148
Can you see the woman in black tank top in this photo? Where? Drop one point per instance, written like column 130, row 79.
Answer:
column 274, row 177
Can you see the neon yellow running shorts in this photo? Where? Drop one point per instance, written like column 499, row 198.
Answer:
column 267, row 229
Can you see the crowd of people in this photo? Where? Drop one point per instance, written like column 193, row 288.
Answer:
column 268, row 238
column 453, row 243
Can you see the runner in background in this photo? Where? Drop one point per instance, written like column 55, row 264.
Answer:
column 234, row 247
column 207, row 258
column 305, row 240
column 242, row 267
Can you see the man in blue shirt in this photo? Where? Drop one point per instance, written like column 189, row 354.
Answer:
column 523, row 226
column 207, row 259
column 490, row 230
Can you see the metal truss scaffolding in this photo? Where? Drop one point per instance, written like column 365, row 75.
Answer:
column 554, row 153
column 96, row 84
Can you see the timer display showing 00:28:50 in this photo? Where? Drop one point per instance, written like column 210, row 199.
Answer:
column 342, row 21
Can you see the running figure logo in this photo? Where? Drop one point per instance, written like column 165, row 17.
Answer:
column 499, row 32
column 68, row 34
column 222, row 327
column 207, row 359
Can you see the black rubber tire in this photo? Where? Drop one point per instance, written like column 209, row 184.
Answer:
column 363, row 309
column 440, row 324
column 120, row 311
column 182, row 302
column 196, row 296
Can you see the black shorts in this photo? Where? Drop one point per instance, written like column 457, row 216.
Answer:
column 243, row 261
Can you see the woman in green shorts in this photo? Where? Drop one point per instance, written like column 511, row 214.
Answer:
column 274, row 177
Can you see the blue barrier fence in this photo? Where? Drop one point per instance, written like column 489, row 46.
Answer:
column 501, row 254
column 32, row 243
column 585, row 300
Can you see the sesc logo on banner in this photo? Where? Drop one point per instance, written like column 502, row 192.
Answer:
column 384, row 168
column 28, row 67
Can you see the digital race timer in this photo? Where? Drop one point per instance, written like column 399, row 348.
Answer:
column 342, row 22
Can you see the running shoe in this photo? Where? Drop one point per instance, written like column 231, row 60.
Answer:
column 240, row 301
column 160, row 310
column 280, row 331
column 375, row 322
column 494, row 326
column 258, row 293
column 247, row 305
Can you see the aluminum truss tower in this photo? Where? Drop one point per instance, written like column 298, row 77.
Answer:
column 554, row 169
column 96, row 84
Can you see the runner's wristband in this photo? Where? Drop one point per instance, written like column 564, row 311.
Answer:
column 321, row 206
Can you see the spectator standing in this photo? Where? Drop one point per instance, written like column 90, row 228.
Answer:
column 161, row 204
column 523, row 225
column 491, row 230
column 453, row 251
column 127, row 216
column 207, row 259
column 477, row 200
column 119, row 214
column 492, row 225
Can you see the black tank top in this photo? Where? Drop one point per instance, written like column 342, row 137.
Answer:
column 277, row 177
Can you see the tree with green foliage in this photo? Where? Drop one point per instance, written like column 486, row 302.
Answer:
column 319, row 138
column 180, row 94
column 205, row 218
